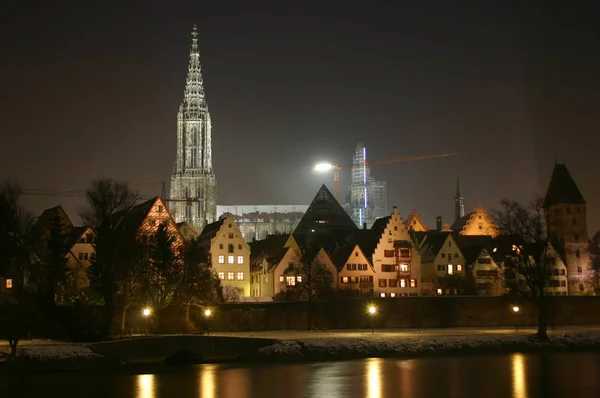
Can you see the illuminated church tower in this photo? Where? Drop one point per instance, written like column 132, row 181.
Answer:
column 193, row 185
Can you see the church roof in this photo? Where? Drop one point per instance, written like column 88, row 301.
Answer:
column 562, row 188
column 325, row 223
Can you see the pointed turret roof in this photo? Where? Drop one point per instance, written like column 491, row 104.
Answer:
column 325, row 223
column 562, row 188
column 194, row 98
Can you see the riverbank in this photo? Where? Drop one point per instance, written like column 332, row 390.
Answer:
column 80, row 357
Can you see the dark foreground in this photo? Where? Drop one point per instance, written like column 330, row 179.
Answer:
column 517, row 375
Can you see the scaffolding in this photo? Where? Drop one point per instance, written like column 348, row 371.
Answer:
column 367, row 196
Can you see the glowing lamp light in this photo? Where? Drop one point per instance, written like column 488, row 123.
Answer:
column 372, row 310
column 515, row 309
column 146, row 312
column 323, row 167
column 207, row 313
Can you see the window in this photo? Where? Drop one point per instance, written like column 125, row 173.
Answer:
column 484, row 260
column 576, row 237
column 439, row 292
column 351, row 267
column 92, row 256
column 458, row 268
column 579, row 270
column 449, row 243
column 388, row 253
column 382, row 283
column 266, row 279
column 290, row 280
column 81, row 256
column 159, row 209
column 231, row 235
column 362, row 267
column 395, row 227
column 441, row 267
column 413, row 283
column 393, row 283
column 221, row 259
column 577, row 253
column 230, row 276
column 402, row 282
column 382, row 295
column 455, row 255
column 252, row 278
column 563, row 283
column 230, row 260
column 220, row 246
column 392, row 294
column 345, row 279
column 443, row 255
column 221, row 275
column 450, row 269
column 403, row 267
column 281, row 278
column 387, row 268
column 151, row 222
column 240, row 276
column 404, row 253
column 299, row 279
column 240, row 246
column 85, row 256
column 355, row 254
column 480, row 227
column 240, row 259
column 229, row 226
column 8, row 283
column 230, row 248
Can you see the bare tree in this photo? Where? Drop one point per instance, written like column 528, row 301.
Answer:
column 107, row 197
column 530, row 256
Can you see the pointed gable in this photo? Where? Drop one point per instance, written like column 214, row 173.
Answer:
column 50, row 216
column 562, row 188
column 478, row 222
column 415, row 223
column 325, row 223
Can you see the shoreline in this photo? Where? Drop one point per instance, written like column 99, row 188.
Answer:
column 82, row 359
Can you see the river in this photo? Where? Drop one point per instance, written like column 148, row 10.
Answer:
column 493, row 376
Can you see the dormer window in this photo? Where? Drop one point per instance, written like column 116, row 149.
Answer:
column 159, row 209
column 151, row 222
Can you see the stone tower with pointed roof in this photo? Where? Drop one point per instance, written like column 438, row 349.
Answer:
column 567, row 226
column 193, row 184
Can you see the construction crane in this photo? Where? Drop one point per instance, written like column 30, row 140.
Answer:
column 81, row 192
column 324, row 167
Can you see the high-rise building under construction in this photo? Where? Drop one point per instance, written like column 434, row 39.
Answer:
column 367, row 196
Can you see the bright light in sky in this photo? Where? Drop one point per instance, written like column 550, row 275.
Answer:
column 322, row 167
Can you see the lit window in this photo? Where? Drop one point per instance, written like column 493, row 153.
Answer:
column 230, row 276
column 413, row 283
column 230, row 260
column 402, row 282
column 221, row 275
column 392, row 294
column 221, row 259
column 281, row 279
column 299, row 279
column 159, row 209
column 240, row 259
column 404, row 267
column 458, row 268
column 344, row 279
column 382, row 294
column 240, row 276
column 450, row 269
column 81, row 256
column 439, row 291
column 9, row 284
column 266, row 279
column 290, row 280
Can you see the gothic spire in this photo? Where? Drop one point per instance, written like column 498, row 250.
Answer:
column 194, row 88
column 459, row 205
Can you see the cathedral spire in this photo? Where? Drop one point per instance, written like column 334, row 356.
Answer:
column 194, row 87
column 459, row 206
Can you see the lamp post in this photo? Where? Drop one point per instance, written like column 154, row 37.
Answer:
column 516, row 309
column 207, row 314
column 146, row 313
column 372, row 311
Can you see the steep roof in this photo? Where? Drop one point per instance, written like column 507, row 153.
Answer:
column 340, row 256
column 325, row 224
column 432, row 245
column 562, row 188
column 268, row 245
column 379, row 225
column 459, row 224
column 209, row 232
column 132, row 219
column 367, row 240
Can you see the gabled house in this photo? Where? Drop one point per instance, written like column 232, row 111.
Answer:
column 228, row 252
column 355, row 273
column 395, row 258
column 299, row 273
column 81, row 254
column 269, row 258
column 484, row 266
column 557, row 274
column 187, row 231
column 442, row 265
column 478, row 222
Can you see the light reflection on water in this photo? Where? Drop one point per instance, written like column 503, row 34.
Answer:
column 494, row 376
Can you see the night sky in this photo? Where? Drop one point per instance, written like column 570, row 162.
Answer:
column 91, row 89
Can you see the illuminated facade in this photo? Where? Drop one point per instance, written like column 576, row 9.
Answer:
column 367, row 196
column 193, row 184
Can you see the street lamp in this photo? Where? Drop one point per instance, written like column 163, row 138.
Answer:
column 324, row 167
column 207, row 314
column 372, row 311
column 516, row 309
column 146, row 313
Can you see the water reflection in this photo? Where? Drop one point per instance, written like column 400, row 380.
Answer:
column 519, row 383
column 374, row 378
column 328, row 380
column 145, row 386
column 235, row 383
column 208, row 381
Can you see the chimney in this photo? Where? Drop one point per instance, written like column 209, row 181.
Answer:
column 395, row 210
column 365, row 226
column 438, row 223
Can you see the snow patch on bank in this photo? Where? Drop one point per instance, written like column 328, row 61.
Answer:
column 50, row 352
